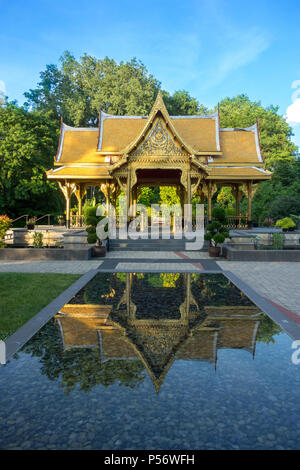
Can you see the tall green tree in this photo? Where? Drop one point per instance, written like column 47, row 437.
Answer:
column 279, row 197
column 78, row 89
column 28, row 141
column 181, row 103
column 275, row 133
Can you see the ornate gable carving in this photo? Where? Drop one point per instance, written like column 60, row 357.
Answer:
column 158, row 142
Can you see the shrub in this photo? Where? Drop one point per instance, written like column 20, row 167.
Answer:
column 296, row 219
column 92, row 221
column 216, row 233
column 218, row 213
column 89, row 211
column 5, row 224
column 277, row 241
column 31, row 221
column 91, row 229
column 286, row 223
column 38, row 240
column 283, row 206
column 92, row 238
column 268, row 222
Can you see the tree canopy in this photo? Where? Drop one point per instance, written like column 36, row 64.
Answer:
column 275, row 133
column 27, row 144
column 78, row 89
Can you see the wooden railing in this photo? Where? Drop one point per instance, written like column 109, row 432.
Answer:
column 77, row 221
column 240, row 221
column 233, row 221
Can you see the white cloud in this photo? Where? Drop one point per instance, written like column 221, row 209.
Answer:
column 2, row 87
column 2, row 92
column 244, row 51
column 293, row 113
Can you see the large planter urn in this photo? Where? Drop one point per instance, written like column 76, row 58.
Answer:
column 98, row 251
column 214, row 251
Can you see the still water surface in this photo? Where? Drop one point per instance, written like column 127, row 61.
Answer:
column 153, row 361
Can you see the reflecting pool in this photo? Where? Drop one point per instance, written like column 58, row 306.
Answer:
column 153, row 361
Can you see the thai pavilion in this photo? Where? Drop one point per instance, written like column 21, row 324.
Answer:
column 127, row 152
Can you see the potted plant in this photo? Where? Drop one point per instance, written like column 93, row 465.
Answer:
column 61, row 220
column 268, row 222
column 216, row 232
column 287, row 224
column 98, row 250
column 30, row 223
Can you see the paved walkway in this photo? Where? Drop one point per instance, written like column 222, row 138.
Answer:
column 278, row 282
column 64, row 267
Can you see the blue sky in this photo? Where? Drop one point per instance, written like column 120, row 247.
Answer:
column 212, row 48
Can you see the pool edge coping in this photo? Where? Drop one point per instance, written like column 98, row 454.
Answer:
column 291, row 328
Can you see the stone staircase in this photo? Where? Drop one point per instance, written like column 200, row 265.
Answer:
column 149, row 244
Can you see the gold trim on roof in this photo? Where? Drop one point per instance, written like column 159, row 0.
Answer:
column 158, row 107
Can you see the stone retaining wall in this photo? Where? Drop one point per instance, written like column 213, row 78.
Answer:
column 41, row 254
column 233, row 254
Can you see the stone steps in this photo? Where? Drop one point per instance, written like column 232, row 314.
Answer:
column 148, row 245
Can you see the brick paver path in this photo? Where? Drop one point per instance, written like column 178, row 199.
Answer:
column 279, row 282
column 65, row 267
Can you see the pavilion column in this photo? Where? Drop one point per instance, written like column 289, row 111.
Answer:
column 67, row 189
column 249, row 191
column 209, row 196
column 237, row 201
column 235, row 190
column 128, row 195
column 80, row 192
column 107, row 190
column 188, row 189
column 210, row 193
column 117, row 192
column 208, row 189
column 249, row 184
column 134, row 199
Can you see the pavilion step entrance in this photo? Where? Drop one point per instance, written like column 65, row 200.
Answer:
column 150, row 244
column 147, row 245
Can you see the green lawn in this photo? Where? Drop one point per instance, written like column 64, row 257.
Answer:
column 23, row 295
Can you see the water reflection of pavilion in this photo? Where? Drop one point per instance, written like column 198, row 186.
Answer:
column 189, row 327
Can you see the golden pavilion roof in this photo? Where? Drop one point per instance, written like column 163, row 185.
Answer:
column 93, row 153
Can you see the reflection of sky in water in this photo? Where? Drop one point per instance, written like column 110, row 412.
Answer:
column 211, row 393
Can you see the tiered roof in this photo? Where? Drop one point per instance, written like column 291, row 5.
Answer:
column 91, row 153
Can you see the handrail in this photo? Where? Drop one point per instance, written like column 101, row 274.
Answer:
column 233, row 221
column 21, row 216
column 46, row 215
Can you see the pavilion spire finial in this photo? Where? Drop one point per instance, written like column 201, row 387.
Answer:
column 159, row 104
